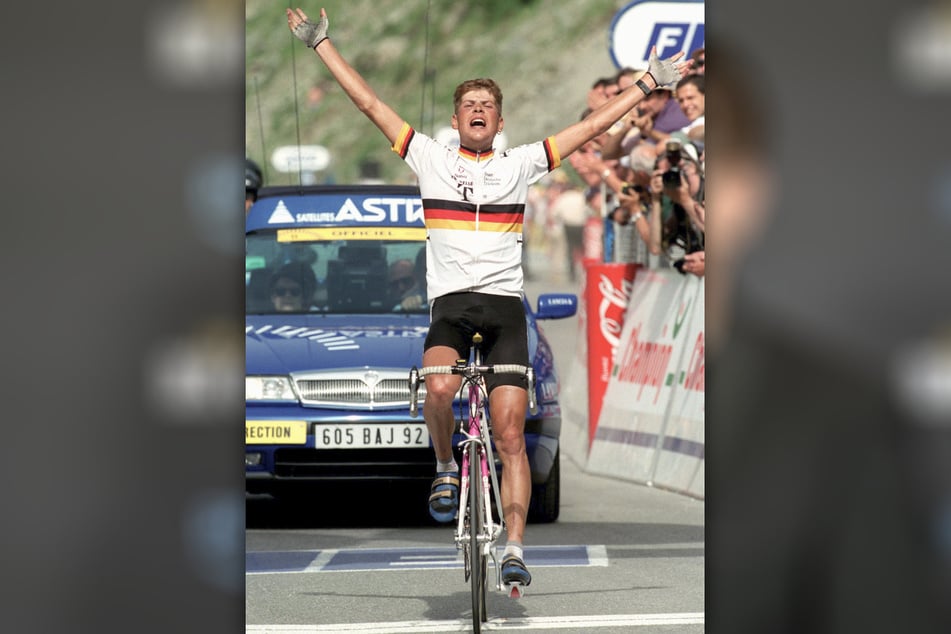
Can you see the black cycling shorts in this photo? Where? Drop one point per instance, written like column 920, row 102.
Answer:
column 500, row 319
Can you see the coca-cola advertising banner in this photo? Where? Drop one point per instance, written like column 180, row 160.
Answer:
column 606, row 296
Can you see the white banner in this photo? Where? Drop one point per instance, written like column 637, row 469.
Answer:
column 650, row 428
column 680, row 459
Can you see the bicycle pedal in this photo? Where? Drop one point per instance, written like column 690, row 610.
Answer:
column 515, row 590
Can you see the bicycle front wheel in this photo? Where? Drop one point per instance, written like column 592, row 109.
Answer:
column 477, row 557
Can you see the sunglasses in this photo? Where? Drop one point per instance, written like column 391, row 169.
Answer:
column 293, row 291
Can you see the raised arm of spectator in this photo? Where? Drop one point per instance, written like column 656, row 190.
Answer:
column 659, row 73
column 314, row 35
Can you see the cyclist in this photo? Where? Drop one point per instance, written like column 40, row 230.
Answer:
column 473, row 204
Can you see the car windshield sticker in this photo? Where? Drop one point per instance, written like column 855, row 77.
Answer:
column 253, row 262
column 280, row 215
column 351, row 233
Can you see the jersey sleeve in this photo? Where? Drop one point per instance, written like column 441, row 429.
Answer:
column 414, row 147
column 538, row 158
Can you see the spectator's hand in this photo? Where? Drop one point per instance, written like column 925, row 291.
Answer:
column 631, row 200
column 645, row 124
column 681, row 193
column 667, row 71
column 656, row 186
column 413, row 302
column 306, row 31
column 694, row 263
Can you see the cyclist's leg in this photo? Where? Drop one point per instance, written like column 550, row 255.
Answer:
column 507, row 406
column 442, row 347
column 508, row 400
column 440, row 392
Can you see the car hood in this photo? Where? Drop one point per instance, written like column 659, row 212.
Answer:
column 280, row 344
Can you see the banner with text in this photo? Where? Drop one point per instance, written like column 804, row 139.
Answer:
column 650, row 422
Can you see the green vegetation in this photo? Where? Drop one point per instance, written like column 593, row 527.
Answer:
column 544, row 54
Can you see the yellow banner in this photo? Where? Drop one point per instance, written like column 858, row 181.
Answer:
column 275, row 432
column 311, row 234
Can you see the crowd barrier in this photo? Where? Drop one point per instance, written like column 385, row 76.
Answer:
column 632, row 405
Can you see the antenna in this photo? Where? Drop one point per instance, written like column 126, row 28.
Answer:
column 257, row 98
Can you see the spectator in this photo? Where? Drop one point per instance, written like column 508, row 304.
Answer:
column 699, row 58
column 673, row 233
column 252, row 183
column 292, row 287
column 690, row 96
column 634, row 198
column 664, row 116
column 403, row 285
column 598, row 95
column 626, row 77
column 569, row 211
column 656, row 117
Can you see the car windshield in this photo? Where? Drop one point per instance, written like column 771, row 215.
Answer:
column 293, row 271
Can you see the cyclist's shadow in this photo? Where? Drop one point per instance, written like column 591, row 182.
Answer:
column 458, row 605
column 454, row 606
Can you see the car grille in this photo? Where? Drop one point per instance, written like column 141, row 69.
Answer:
column 356, row 389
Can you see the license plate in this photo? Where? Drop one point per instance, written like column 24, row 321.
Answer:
column 275, row 432
column 364, row 436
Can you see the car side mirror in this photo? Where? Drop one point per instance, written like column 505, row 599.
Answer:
column 556, row 305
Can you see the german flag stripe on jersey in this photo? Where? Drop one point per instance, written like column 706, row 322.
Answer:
column 448, row 214
column 401, row 145
column 551, row 150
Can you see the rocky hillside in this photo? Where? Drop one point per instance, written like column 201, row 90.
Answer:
column 543, row 53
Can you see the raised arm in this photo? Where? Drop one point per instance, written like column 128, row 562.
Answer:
column 314, row 35
column 659, row 73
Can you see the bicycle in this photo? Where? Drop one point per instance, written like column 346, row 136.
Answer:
column 476, row 528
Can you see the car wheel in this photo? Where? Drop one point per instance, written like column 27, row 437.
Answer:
column 546, row 498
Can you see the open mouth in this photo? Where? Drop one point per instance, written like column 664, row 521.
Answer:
column 477, row 123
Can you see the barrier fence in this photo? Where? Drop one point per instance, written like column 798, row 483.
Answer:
column 633, row 403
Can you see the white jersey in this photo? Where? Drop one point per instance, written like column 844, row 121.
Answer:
column 473, row 204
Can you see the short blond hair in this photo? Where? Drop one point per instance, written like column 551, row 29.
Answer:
column 483, row 83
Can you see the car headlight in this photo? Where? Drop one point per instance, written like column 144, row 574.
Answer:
column 268, row 388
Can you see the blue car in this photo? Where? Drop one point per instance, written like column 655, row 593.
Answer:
column 336, row 315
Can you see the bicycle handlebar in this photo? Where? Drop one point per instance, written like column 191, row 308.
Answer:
column 471, row 370
column 498, row 368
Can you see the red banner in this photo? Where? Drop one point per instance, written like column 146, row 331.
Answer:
column 607, row 291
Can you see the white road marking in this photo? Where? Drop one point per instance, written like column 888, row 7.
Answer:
column 598, row 555
column 321, row 560
column 499, row 624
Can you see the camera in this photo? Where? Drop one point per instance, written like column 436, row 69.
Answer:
column 672, row 177
column 673, row 151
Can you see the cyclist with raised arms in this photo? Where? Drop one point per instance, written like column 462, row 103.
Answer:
column 473, row 204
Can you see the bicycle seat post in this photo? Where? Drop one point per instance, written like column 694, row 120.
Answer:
column 476, row 351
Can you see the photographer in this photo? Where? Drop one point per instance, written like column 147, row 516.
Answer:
column 677, row 213
column 631, row 227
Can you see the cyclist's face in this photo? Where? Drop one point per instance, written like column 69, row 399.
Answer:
column 477, row 119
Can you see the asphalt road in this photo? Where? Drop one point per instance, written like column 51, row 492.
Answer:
column 622, row 557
